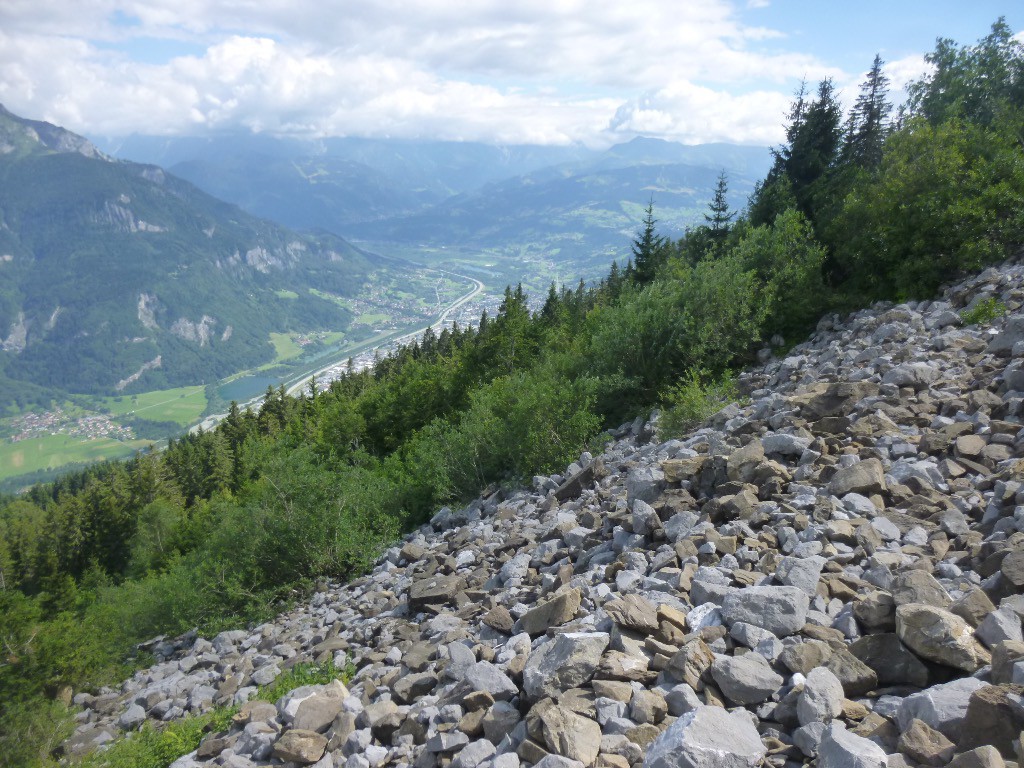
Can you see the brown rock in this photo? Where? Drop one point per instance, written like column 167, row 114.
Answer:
column 803, row 657
column 940, row 636
column 918, row 586
column 1012, row 568
column 677, row 470
column 499, row 618
column 571, row 735
column 558, row 610
column 992, row 718
column 923, row 744
column 969, row 446
column 864, row 477
column 299, row 746
column 856, row 676
column 985, row 756
column 973, row 607
column 690, row 663
column 633, row 612
column 1004, row 655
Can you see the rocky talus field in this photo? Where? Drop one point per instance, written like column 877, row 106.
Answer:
column 829, row 572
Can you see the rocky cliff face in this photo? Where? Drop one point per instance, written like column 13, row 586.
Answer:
column 833, row 570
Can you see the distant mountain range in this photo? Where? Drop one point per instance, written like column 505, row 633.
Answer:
column 118, row 276
column 577, row 204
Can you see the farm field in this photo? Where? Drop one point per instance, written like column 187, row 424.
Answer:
column 54, row 451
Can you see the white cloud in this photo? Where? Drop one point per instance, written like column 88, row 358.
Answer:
column 694, row 114
column 548, row 71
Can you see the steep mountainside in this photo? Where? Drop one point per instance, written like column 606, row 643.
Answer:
column 833, row 569
column 115, row 275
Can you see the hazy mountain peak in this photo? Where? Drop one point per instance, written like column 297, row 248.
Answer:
column 18, row 134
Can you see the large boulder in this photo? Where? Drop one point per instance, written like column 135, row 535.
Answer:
column 707, row 737
column 864, row 477
column 937, row 635
column 780, row 610
column 566, row 661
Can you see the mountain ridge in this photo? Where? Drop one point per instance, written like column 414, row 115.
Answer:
column 86, row 240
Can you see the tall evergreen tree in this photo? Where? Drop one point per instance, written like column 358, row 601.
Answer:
column 719, row 216
column 815, row 147
column 869, row 120
column 648, row 248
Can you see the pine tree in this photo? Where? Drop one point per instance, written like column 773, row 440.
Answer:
column 815, row 147
column 648, row 249
column 720, row 217
column 869, row 120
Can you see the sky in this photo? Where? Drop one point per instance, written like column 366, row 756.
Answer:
column 593, row 72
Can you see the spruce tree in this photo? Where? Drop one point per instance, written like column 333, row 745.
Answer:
column 869, row 120
column 648, row 249
column 719, row 217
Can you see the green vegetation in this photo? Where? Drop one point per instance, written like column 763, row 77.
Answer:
column 985, row 312
column 285, row 347
column 226, row 526
column 693, row 400
column 182, row 405
column 158, row 748
column 52, row 451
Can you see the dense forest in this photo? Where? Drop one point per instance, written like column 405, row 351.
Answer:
column 226, row 526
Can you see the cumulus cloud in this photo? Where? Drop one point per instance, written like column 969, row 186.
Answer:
column 534, row 71
column 684, row 111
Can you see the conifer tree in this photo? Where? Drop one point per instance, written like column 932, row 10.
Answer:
column 869, row 120
column 648, row 249
column 719, row 217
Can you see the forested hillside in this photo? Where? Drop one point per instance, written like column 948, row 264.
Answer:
column 118, row 277
column 225, row 526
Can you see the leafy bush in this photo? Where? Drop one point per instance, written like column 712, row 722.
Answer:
column 985, row 312
column 693, row 400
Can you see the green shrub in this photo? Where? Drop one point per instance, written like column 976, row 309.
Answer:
column 158, row 748
column 693, row 400
column 985, row 312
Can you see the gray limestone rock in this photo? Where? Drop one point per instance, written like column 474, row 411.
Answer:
column 566, row 661
column 942, row 707
column 780, row 610
column 821, row 699
column 839, row 748
column 708, row 737
column 746, row 679
column 802, row 572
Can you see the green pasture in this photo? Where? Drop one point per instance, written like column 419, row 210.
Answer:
column 182, row 405
column 52, row 451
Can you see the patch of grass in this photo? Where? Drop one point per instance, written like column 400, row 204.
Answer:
column 53, row 451
column 183, row 405
column 372, row 318
column 158, row 748
column 285, row 347
column 286, row 294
